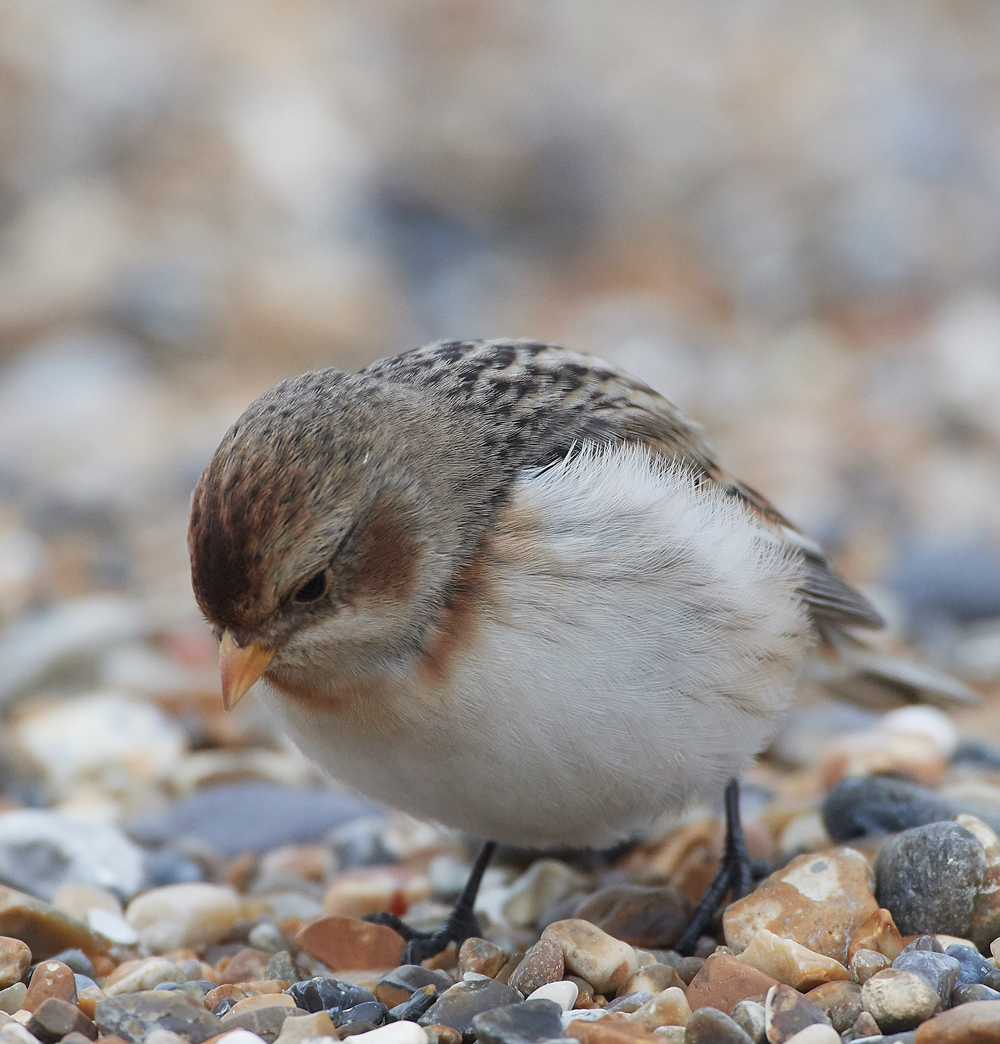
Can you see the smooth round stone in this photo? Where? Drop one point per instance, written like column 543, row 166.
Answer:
column 630, row 1002
column 669, row 1008
column 78, row 961
column 329, row 994
column 14, row 960
column 786, row 1011
column 54, row 1018
column 840, row 1000
column 236, row 1036
column 395, row 1033
column 815, row 1035
column 965, row 993
column 938, row 970
column 790, row 962
column 50, row 979
column 749, row 1016
column 461, row 1003
column 654, row 979
column 711, row 1026
column 563, row 993
column 12, row 998
column 249, row 965
column 984, row 925
column 723, row 981
column 928, row 878
column 183, row 915
column 481, row 956
column 865, row 963
column 133, row 1015
column 297, row 1028
column 975, row 1023
column 145, row 975
column 923, row 942
column 873, row 805
column 527, row 1023
column 649, row 917
column 603, row 961
column 543, row 963
column 348, row 942
column 899, row 1000
column 545, row 883
column 687, row 968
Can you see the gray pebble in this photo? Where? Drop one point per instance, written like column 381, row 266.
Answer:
column 133, row 1015
column 461, row 1003
column 928, row 878
column 749, row 1016
column 527, row 1023
column 711, row 1026
column 938, row 970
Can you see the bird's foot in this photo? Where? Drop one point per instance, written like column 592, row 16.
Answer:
column 734, row 875
column 461, row 924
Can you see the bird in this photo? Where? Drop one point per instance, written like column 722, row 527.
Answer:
column 507, row 587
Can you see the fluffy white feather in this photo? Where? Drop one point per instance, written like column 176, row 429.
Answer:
column 640, row 640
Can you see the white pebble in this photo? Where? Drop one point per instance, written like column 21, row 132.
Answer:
column 563, row 993
column 928, row 721
column 815, row 1034
column 473, row 977
column 394, row 1033
column 164, row 1036
column 240, row 1036
column 581, row 1015
column 183, row 915
column 151, row 973
column 112, row 926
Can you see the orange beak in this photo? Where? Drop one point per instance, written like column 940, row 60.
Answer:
column 240, row 668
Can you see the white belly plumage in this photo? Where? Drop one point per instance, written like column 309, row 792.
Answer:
column 642, row 639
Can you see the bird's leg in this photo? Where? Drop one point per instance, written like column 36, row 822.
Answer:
column 460, row 925
column 734, row 874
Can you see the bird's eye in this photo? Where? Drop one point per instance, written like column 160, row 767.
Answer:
column 312, row 589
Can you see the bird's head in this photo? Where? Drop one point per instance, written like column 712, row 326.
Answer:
column 320, row 539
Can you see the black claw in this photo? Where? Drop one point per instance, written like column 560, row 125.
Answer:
column 734, row 875
column 462, row 923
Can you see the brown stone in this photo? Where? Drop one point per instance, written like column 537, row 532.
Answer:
column 791, row 962
column 669, row 1008
column 50, row 979
column 899, row 1000
column 649, row 917
column 79, row 1038
column 985, row 924
column 840, row 1000
column 878, row 933
column 786, row 1011
column 347, row 942
column 265, row 1021
column 818, row 900
column 724, row 981
column 54, row 1018
column 246, row 966
column 542, row 964
column 654, row 978
column 44, row 930
column 262, row 1000
column 609, row 1030
column 15, row 958
column 482, row 957
column 866, row 963
column 864, row 1026
column 88, row 998
column 298, row 1027
column 372, row 889
column 975, row 1023
column 437, row 1034
column 602, row 960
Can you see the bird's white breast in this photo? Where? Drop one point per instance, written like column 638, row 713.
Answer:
column 639, row 640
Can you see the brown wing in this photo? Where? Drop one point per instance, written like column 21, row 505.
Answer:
column 543, row 399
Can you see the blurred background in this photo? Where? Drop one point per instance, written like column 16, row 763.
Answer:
column 783, row 215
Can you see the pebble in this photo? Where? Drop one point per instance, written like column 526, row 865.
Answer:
column 54, row 1018
column 479, row 955
column 878, row 933
column 461, row 1003
column 50, row 979
column 974, row 966
column 355, row 893
column 786, row 1011
column 928, row 878
column 975, row 991
column 12, row 998
column 261, row 1000
column 815, row 1034
column 899, row 1000
column 78, row 962
column 865, row 963
column 330, row 995
column 984, row 925
column 237, row 1036
column 395, row 1033
column 14, row 960
column 77, row 900
column 543, row 963
column 790, row 962
column 297, row 1028
column 162, row 1036
column 864, row 1026
column 348, row 943
column 563, row 993
column 610, row 1031
column 749, row 1016
column 671, row 1034
column 43, row 930
column 840, row 1000
column 871, row 805
column 711, row 1026
column 414, row 1006
column 144, row 975
column 545, row 883
column 133, row 1015
column 265, row 1019
column 938, row 970
column 818, row 901
column 603, row 961
column 529, row 1022
column 653, row 918
column 401, row 983
column 183, row 915
column 669, row 1008
column 723, row 981
column 655, row 978
column 977, row 1023
column 248, row 965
